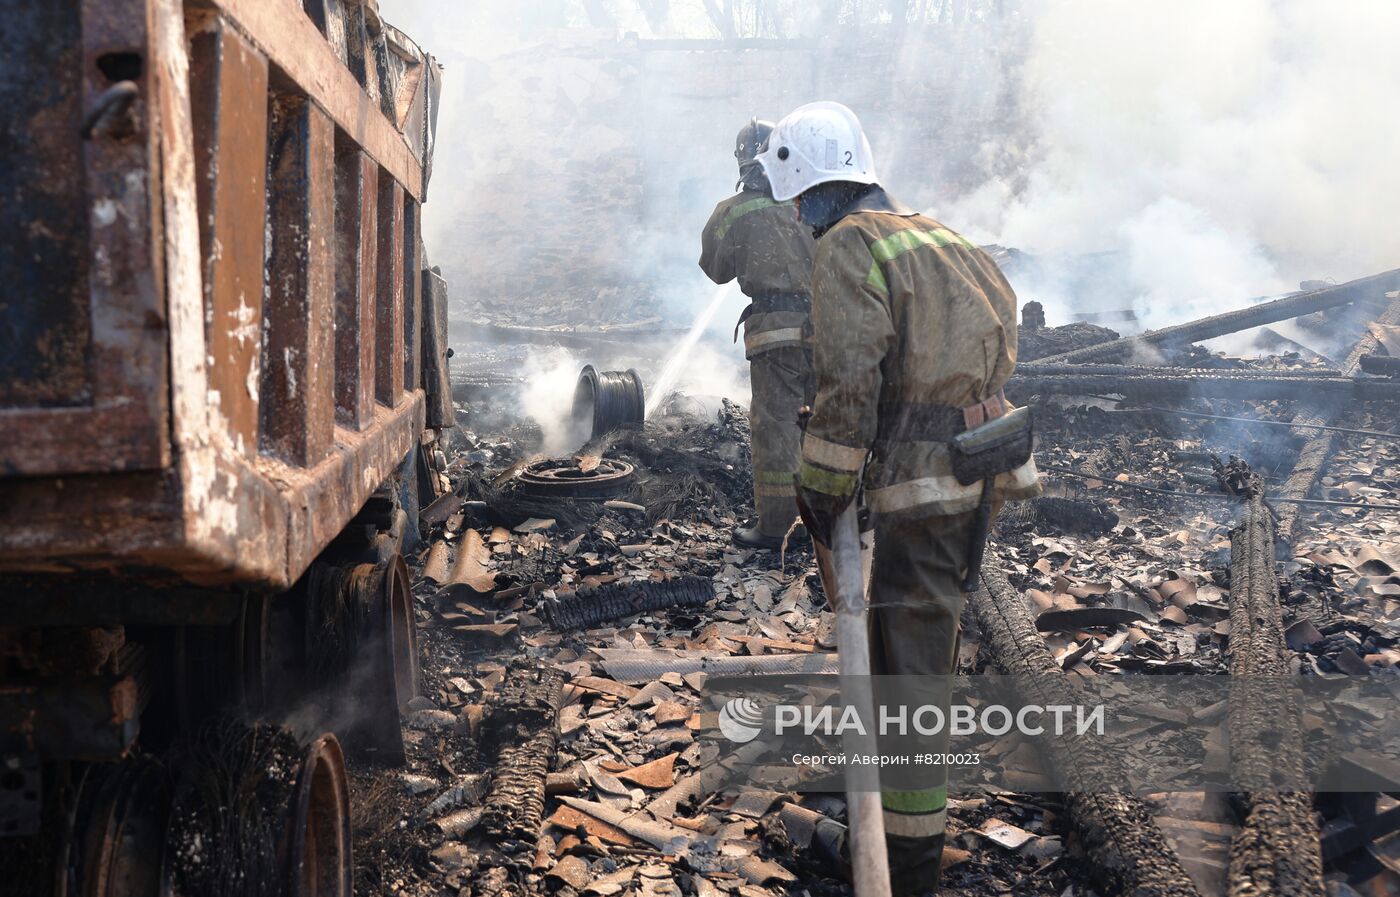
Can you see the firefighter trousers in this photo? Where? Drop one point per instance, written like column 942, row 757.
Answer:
column 916, row 600
column 782, row 381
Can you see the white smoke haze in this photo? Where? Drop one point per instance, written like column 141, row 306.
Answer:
column 1229, row 149
column 1211, row 153
column 548, row 397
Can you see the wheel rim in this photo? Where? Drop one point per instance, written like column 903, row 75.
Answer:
column 388, row 650
column 402, row 626
column 118, row 835
column 317, row 836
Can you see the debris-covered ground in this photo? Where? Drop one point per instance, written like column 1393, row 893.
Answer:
column 525, row 681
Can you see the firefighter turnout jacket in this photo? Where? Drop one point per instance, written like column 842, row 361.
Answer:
column 760, row 242
column 909, row 318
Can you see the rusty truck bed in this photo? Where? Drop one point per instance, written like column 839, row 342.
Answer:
column 217, row 343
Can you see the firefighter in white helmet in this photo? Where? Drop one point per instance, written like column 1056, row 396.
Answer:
column 914, row 333
column 759, row 241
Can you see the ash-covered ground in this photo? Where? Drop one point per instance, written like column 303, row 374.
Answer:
column 513, row 685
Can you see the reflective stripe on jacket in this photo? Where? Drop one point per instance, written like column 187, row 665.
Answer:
column 904, row 310
column 765, row 332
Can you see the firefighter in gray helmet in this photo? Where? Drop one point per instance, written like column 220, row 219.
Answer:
column 760, row 242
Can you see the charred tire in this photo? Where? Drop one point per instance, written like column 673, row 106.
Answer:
column 389, row 650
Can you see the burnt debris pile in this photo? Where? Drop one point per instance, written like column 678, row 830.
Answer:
column 564, row 742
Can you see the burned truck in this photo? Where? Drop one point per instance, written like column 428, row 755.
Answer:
column 223, row 374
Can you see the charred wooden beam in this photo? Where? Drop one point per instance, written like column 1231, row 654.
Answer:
column 589, row 607
column 1240, row 319
column 1129, row 852
column 1277, row 850
column 1381, row 365
column 515, row 805
column 1165, row 383
column 525, row 719
column 1320, row 413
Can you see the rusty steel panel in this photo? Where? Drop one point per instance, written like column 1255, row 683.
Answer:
column 389, row 351
column 44, row 325
column 90, row 719
column 412, row 295
column 228, row 84
column 329, row 18
column 179, row 185
column 294, row 45
column 82, row 359
column 335, row 490
column 297, row 394
column 360, row 51
column 436, row 381
column 356, row 227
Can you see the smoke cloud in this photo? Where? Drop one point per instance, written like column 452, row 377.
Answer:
column 1175, row 160
column 1229, row 150
column 548, row 397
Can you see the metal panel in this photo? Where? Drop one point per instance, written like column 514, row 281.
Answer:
column 214, row 513
column 76, row 719
column 228, row 84
column 46, row 331
column 436, row 380
column 389, row 357
column 356, row 227
column 294, row 45
column 298, row 375
column 412, row 296
column 82, row 360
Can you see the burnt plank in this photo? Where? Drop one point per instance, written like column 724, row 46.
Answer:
column 1319, row 412
column 356, row 197
column 1234, row 321
column 1277, row 849
column 1129, row 853
column 298, row 383
column 389, row 324
column 228, row 83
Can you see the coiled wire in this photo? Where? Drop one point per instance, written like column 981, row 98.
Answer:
column 608, row 400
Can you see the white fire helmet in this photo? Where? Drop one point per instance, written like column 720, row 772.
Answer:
column 815, row 144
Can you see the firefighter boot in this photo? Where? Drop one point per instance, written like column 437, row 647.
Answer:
column 753, row 537
column 915, row 864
